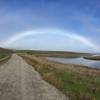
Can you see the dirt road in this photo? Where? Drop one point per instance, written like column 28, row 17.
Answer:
column 19, row 81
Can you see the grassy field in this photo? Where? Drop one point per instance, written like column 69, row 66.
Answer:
column 54, row 53
column 4, row 53
column 77, row 82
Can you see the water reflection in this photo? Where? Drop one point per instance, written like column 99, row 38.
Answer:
column 79, row 61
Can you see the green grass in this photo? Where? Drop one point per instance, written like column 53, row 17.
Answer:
column 79, row 87
column 75, row 86
column 3, row 55
column 4, row 52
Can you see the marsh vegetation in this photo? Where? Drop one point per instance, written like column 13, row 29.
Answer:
column 76, row 81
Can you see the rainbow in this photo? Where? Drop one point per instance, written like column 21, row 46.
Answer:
column 65, row 33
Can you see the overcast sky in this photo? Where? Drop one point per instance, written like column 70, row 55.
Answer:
column 69, row 25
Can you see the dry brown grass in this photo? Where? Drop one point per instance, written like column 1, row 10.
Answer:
column 78, row 69
column 79, row 82
column 48, row 76
column 52, row 79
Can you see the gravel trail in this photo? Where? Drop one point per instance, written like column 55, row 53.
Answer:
column 19, row 81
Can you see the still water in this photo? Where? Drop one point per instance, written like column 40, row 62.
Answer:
column 78, row 61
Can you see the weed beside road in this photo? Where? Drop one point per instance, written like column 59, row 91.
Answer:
column 3, row 55
column 77, row 82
